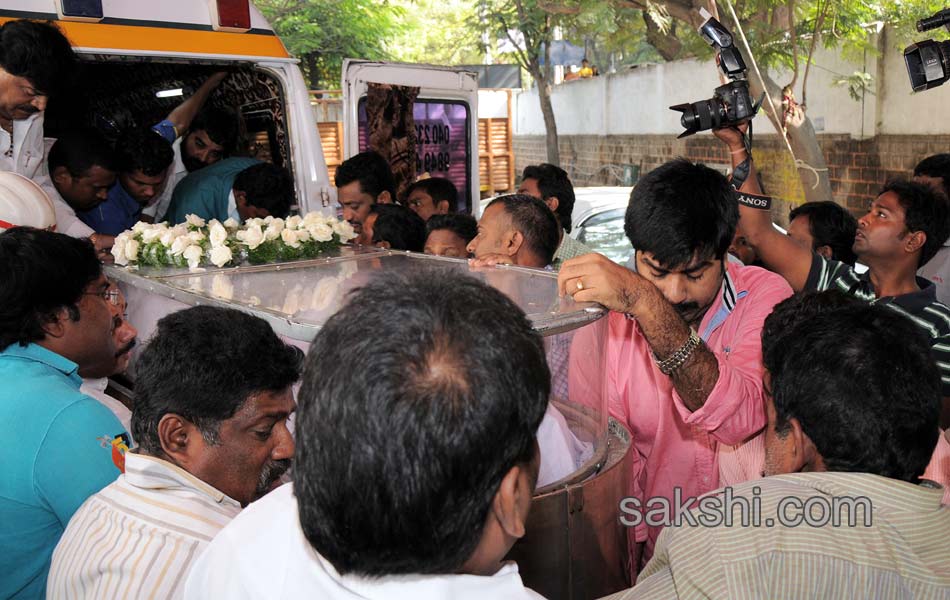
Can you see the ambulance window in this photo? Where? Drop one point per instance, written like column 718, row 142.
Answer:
column 443, row 146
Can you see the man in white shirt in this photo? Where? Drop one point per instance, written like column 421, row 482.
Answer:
column 36, row 61
column 412, row 478
column 212, row 398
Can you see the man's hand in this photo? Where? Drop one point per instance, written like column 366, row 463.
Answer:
column 732, row 135
column 596, row 278
column 103, row 245
column 491, row 260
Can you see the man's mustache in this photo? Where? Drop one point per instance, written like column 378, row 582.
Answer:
column 126, row 349
column 271, row 472
column 684, row 308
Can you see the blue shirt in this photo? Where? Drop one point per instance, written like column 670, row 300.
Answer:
column 205, row 192
column 57, row 451
column 119, row 212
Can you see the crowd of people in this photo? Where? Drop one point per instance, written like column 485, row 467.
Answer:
column 751, row 368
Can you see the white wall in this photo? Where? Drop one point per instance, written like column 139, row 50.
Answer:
column 637, row 101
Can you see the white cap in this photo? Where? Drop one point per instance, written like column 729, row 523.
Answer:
column 24, row 203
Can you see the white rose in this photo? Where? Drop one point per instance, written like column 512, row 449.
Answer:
column 194, row 220
column 118, row 249
column 313, row 218
column 168, row 237
column 217, row 234
column 179, row 244
column 231, row 224
column 303, row 235
column 220, row 256
column 252, row 236
column 290, row 238
column 271, row 233
column 141, row 226
column 132, row 251
column 344, row 230
column 268, row 220
column 293, row 222
column 279, row 224
column 151, row 234
column 321, row 232
column 255, row 221
column 196, row 236
column 193, row 255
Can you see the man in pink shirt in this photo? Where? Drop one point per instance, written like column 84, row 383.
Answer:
column 683, row 354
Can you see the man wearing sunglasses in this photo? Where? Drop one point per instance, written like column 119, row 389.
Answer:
column 59, row 445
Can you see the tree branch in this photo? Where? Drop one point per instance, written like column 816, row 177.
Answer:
column 819, row 21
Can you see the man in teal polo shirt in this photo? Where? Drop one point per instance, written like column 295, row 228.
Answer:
column 237, row 188
column 60, row 446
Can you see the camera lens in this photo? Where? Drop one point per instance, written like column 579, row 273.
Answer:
column 928, row 64
column 700, row 116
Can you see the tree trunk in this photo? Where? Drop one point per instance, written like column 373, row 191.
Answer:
column 667, row 44
column 312, row 70
column 803, row 141
column 547, row 111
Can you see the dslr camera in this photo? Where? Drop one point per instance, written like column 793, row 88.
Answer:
column 928, row 62
column 730, row 103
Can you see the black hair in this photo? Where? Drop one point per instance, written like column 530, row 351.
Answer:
column 871, row 401
column 222, row 127
column 267, row 186
column 40, row 274
column 371, row 170
column 925, row 210
column 937, row 165
column 79, row 150
column 534, row 220
column 40, row 53
column 422, row 438
column 143, row 151
column 682, row 211
column 830, row 225
column 554, row 182
column 202, row 364
column 400, row 226
column 439, row 189
column 462, row 225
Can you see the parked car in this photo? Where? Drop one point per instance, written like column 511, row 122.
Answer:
column 598, row 221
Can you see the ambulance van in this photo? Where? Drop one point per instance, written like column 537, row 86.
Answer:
column 143, row 57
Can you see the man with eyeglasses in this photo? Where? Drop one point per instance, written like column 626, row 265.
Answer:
column 60, row 446
column 124, row 336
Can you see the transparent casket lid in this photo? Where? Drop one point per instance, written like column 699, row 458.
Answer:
column 297, row 298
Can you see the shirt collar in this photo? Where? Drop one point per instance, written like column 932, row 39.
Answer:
column 39, row 354
column 149, row 472
column 900, row 496
column 915, row 301
column 729, row 296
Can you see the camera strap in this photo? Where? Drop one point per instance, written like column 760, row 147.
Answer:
column 741, row 173
column 753, row 200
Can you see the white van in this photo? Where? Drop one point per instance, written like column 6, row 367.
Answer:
column 138, row 54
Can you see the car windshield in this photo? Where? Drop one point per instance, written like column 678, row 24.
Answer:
column 603, row 233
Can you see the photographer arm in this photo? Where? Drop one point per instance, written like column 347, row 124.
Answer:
column 778, row 252
column 183, row 114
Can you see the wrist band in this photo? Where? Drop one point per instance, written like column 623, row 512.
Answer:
column 753, row 200
column 679, row 358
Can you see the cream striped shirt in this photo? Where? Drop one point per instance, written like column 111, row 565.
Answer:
column 904, row 553
column 138, row 537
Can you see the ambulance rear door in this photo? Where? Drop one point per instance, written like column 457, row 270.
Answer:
column 445, row 114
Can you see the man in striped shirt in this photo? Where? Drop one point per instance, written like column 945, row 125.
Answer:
column 212, row 398
column 904, row 228
column 843, row 512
